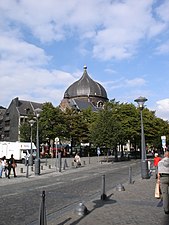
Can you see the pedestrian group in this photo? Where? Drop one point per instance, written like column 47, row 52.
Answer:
column 6, row 166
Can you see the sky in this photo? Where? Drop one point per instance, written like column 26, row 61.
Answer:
column 45, row 44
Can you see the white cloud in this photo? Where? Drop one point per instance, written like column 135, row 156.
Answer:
column 162, row 110
column 34, row 84
column 163, row 48
column 111, row 26
column 125, row 83
column 19, row 51
column 162, row 11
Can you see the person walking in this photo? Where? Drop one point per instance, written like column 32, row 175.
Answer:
column 163, row 179
column 11, row 165
column 5, row 165
column 156, row 161
column 1, row 168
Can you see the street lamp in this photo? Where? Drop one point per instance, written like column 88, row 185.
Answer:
column 144, row 162
column 37, row 160
column 31, row 122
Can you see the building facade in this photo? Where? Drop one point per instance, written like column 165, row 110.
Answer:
column 17, row 113
column 2, row 112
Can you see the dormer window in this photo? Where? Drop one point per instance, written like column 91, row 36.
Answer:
column 27, row 110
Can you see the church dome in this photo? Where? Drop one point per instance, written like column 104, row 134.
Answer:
column 85, row 87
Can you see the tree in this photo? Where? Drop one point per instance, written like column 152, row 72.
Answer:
column 52, row 122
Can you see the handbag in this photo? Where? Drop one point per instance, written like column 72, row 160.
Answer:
column 157, row 190
column 14, row 165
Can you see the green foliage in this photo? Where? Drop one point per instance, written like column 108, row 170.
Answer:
column 115, row 124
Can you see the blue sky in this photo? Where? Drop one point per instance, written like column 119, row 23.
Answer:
column 124, row 43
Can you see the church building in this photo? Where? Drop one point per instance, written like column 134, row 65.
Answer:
column 84, row 93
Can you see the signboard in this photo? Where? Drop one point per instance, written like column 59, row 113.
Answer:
column 98, row 151
column 163, row 140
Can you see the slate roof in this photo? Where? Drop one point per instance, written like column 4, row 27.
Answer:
column 80, row 105
column 85, row 86
column 24, row 106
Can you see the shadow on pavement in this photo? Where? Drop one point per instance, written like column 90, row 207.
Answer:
column 98, row 204
column 65, row 221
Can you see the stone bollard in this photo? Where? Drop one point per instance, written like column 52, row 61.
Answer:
column 84, row 163
column 21, row 170
column 73, row 164
column 49, row 166
column 81, row 209
column 120, row 187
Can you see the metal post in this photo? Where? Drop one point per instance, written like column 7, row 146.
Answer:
column 144, row 162
column 27, row 168
column 103, row 195
column 56, row 157
column 42, row 214
column 89, row 157
column 60, row 161
column 31, row 153
column 56, row 142
column 31, row 156
column 37, row 160
column 130, row 175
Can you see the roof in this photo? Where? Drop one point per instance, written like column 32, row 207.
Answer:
column 85, row 86
column 26, row 106
column 80, row 105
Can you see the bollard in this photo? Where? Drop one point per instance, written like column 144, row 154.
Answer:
column 59, row 161
column 81, row 209
column 49, row 166
column 120, row 187
column 21, row 170
column 27, row 170
column 41, row 167
column 46, row 162
column 42, row 211
column 89, row 157
column 84, row 163
column 73, row 164
column 130, row 175
column 103, row 195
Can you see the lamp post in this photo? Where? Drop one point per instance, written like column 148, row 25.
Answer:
column 144, row 162
column 37, row 160
column 31, row 122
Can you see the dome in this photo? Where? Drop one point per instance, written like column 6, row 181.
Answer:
column 85, row 86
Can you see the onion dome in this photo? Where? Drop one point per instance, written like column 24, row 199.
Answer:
column 85, row 87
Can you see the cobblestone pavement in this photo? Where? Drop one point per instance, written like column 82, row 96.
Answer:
column 46, row 168
column 135, row 205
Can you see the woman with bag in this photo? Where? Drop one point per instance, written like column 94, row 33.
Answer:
column 163, row 180
column 11, row 164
